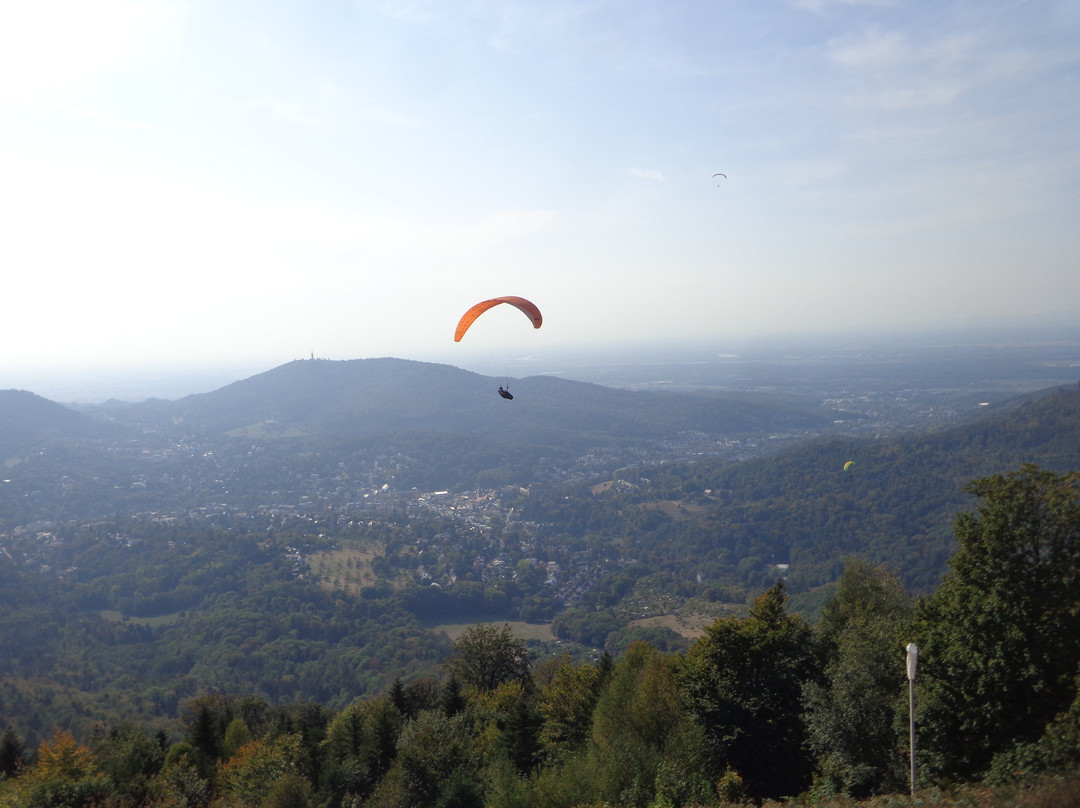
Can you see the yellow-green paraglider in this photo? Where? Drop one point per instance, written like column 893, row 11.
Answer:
column 848, row 465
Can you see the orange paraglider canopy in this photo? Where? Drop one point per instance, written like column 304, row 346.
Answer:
column 524, row 305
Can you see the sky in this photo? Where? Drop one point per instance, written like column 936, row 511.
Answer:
column 248, row 182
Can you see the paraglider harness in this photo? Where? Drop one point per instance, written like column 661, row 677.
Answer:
column 506, row 393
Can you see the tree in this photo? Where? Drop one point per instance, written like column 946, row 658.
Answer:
column 1058, row 750
column 290, row 791
column 257, row 767
column 11, row 753
column 566, row 704
column 130, row 759
column 508, row 721
column 434, row 768
column 999, row 641
column 207, row 718
column 66, row 775
column 359, row 747
column 744, row 684
column 851, row 715
column 485, row 657
column 179, row 785
column 642, row 737
column 237, row 735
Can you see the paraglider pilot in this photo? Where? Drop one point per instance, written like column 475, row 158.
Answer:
column 505, row 393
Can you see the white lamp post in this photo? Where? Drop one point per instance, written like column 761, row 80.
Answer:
column 912, row 661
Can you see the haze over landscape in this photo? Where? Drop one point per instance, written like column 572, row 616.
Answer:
column 232, row 185
column 805, row 398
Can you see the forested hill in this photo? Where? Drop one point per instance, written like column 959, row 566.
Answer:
column 368, row 397
column 140, row 573
column 319, row 430
column 895, row 504
column 28, row 420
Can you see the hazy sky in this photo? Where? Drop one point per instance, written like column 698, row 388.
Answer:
column 257, row 180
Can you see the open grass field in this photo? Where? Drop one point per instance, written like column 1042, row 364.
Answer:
column 344, row 570
column 526, row 631
column 690, row 626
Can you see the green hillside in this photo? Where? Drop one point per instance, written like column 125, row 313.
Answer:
column 334, row 596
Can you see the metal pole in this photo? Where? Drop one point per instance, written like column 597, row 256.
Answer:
column 912, row 661
column 911, row 721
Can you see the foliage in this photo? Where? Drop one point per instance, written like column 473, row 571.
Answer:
column 434, row 766
column 744, row 682
column 639, row 730
column 359, row 747
column 257, row 767
column 850, row 713
column 485, row 657
column 1058, row 750
column 11, row 753
column 567, row 703
column 66, row 775
column 648, row 729
column 1001, row 637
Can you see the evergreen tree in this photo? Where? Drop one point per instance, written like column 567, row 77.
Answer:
column 11, row 753
column 359, row 748
column 434, row 768
column 452, row 700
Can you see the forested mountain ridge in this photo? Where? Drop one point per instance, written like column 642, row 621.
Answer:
column 801, row 507
column 365, row 397
column 309, row 430
column 27, row 420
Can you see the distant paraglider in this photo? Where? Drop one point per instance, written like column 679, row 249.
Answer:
column 714, row 176
column 526, row 306
column 848, row 465
column 506, row 393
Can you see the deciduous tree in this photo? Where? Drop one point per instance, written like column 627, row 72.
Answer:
column 485, row 657
column 851, row 714
column 999, row 641
column 744, row 683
